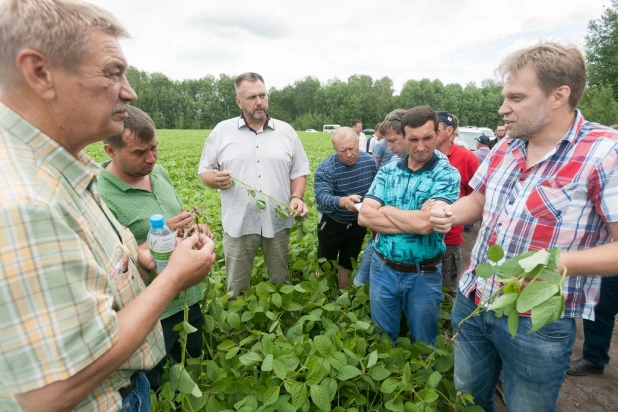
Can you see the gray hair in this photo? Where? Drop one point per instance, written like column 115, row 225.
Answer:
column 57, row 28
column 250, row 77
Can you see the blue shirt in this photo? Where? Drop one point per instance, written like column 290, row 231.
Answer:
column 334, row 180
column 397, row 185
column 381, row 151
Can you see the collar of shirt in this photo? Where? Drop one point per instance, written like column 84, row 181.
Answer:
column 242, row 123
column 78, row 172
column 431, row 163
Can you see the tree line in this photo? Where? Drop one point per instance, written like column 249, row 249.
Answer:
column 308, row 103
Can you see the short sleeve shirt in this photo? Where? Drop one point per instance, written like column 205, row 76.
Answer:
column 397, row 185
column 267, row 159
column 66, row 268
column 133, row 206
column 565, row 200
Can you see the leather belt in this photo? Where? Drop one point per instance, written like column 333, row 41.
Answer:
column 427, row 266
column 126, row 391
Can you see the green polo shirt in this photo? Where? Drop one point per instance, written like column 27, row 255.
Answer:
column 133, row 206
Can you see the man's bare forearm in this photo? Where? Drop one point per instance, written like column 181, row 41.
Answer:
column 409, row 221
column 376, row 221
column 468, row 209
column 208, row 178
column 298, row 186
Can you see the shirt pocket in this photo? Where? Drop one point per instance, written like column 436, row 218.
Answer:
column 128, row 283
column 551, row 198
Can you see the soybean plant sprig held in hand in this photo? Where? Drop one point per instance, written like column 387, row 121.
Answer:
column 531, row 282
column 282, row 210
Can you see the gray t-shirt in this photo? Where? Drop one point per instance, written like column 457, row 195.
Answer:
column 381, row 151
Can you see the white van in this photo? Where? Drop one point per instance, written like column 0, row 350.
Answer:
column 330, row 128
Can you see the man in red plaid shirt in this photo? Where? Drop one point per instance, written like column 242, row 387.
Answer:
column 553, row 182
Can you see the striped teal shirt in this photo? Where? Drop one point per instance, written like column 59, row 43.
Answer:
column 396, row 185
column 334, row 180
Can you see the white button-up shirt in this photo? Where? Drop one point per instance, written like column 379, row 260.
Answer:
column 267, row 159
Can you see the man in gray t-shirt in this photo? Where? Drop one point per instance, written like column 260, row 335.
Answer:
column 381, row 153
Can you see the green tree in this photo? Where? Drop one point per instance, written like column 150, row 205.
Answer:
column 602, row 49
column 598, row 105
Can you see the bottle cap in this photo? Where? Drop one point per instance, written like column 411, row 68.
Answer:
column 157, row 221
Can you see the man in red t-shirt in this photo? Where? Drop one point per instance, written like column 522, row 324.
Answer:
column 466, row 163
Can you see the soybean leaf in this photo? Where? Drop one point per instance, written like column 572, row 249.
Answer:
column 298, row 390
column 320, row 397
column 513, row 323
column 540, row 257
column 503, row 301
column 323, row 345
column 226, row 344
column 251, row 192
column 250, row 358
column 232, row 352
column 407, row 375
column 233, row 319
column 395, row 404
column 271, row 395
column 546, row 313
column 511, row 267
column 188, row 328
column 267, row 365
column 379, row 372
column 276, row 299
column 554, row 259
column 550, row 276
column 280, row 367
column 484, row 270
column 495, row 253
column 389, row 385
column 315, row 375
column 434, row 379
column 348, row 372
column 260, row 204
column 444, row 363
column 534, row 294
column 373, row 358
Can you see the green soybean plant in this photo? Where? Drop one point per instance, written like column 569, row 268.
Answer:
column 531, row 282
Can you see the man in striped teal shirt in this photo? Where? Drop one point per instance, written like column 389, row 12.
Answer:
column 341, row 181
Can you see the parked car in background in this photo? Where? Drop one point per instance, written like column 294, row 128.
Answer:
column 468, row 134
column 368, row 132
column 487, row 131
column 311, row 131
column 330, row 128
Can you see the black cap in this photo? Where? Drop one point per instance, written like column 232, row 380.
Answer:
column 483, row 139
column 446, row 118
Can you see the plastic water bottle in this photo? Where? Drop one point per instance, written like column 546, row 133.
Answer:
column 161, row 241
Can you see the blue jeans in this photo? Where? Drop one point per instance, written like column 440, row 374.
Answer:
column 534, row 364
column 598, row 333
column 364, row 269
column 419, row 294
column 139, row 399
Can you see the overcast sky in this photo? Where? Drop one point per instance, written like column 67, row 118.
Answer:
column 456, row 41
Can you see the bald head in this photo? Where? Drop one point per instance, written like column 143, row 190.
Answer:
column 345, row 143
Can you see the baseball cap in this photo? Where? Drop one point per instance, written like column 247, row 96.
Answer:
column 483, row 139
column 446, row 118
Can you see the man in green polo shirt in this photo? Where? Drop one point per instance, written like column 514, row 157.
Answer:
column 406, row 266
column 134, row 188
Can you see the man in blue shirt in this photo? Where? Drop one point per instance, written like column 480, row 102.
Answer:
column 341, row 181
column 406, row 266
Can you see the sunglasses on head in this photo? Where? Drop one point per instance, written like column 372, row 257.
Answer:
column 392, row 116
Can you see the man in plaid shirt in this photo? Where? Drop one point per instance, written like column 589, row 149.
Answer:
column 78, row 324
column 553, row 182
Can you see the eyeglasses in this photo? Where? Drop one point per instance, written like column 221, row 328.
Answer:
column 392, row 116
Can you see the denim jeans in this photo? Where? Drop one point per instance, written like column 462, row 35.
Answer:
column 139, row 399
column 598, row 333
column 364, row 269
column 534, row 364
column 419, row 294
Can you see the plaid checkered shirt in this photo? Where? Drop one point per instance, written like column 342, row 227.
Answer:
column 66, row 268
column 565, row 200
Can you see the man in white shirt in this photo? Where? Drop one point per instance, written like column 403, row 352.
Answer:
column 266, row 154
column 357, row 125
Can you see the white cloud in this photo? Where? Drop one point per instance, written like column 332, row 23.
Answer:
column 452, row 40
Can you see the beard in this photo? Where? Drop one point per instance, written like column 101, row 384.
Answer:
column 532, row 126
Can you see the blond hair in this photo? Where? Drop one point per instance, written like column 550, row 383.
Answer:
column 57, row 28
column 555, row 65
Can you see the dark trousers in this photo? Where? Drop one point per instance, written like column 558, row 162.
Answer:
column 598, row 334
column 173, row 349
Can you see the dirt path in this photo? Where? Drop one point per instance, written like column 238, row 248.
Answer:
column 592, row 393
